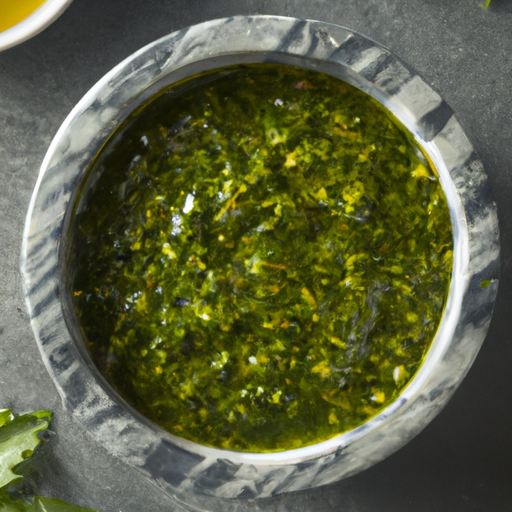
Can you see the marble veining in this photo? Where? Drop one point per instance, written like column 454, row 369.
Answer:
column 201, row 477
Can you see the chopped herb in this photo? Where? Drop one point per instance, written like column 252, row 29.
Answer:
column 261, row 258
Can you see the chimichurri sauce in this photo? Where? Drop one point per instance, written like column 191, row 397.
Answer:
column 261, row 258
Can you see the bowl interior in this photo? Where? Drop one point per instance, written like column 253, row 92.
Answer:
column 94, row 180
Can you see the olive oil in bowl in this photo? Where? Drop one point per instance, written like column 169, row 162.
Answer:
column 261, row 258
column 13, row 12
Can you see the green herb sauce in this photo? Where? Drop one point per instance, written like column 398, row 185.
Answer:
column 261, row 258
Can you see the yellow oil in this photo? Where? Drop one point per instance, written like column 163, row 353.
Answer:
column 14, row 11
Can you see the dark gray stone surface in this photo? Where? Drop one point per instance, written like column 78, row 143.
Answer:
column 463, row 460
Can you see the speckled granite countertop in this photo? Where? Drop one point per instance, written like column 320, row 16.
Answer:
column 463, row 460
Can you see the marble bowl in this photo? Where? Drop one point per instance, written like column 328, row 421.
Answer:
column 45, row 15
column 203, row 477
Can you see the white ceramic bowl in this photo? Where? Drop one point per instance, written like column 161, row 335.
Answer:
column 37, row 21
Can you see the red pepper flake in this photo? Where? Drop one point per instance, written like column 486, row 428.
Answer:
column 304, row 84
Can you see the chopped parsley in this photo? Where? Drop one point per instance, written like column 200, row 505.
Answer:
column 261, row 258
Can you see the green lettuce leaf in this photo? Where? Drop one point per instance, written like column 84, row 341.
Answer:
column 18, row 440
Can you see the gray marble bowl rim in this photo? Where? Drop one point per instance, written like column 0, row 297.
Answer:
column 41, row 18
column 314, row 45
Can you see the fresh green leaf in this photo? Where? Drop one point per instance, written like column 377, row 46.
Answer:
column 7, row 504
column 39, row 504
column 18, row 440
column 5, row 416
